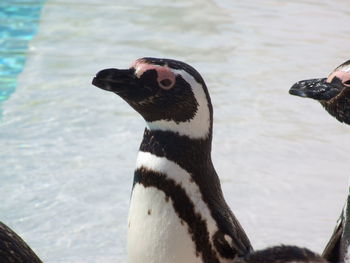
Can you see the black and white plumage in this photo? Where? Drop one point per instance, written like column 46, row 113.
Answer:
column 177, row 210
column 13, row 249
column 334, row 94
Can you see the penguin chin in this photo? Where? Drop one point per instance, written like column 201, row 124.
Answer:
column 318, row 89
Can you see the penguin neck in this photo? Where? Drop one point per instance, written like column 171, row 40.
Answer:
column 191, row 154
column 338, row 107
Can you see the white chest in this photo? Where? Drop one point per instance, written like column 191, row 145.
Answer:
column 155, row 232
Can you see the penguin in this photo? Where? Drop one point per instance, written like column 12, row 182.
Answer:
column 333, row 93
column 283, row 254
column 177, row 209
column 13, row 249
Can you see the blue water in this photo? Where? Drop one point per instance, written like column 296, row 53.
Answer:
column 19, row 21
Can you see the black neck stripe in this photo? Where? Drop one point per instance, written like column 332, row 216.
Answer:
column 184, row 207
column 186, row 152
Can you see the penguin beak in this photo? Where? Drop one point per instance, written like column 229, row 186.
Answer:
column 318, row 89
column 115, row 80
column 122, row 82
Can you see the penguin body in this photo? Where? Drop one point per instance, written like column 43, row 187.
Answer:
column 160, row 185
column 177, row 210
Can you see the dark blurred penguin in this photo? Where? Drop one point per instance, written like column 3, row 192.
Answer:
column 13, row 249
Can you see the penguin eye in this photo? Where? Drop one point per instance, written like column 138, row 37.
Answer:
column 166, row 83
column 347, row 82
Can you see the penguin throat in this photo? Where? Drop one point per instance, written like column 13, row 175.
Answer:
column 190, row 154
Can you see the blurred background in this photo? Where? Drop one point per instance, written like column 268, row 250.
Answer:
column 68, row 149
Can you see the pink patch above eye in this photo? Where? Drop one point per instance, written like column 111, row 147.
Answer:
column 165, row 77
column 342, row 75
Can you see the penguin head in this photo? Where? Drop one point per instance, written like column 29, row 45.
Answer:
column 324, row 89
column 332, row 92
column 170, row 95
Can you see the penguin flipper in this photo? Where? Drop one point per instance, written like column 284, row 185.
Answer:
column 240, row 241
column 230, row 240
column 231, row 247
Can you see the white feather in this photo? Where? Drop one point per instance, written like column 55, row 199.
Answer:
column 155, row 233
